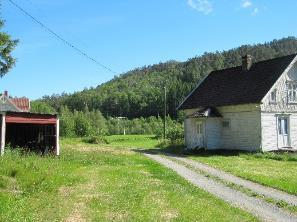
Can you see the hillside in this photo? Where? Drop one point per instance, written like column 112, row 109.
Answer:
column 139, row 93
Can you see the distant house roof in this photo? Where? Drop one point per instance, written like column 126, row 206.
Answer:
column 22, row 103
column 8, row 103
column 235, row 86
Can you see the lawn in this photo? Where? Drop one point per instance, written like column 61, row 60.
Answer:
column 102, row 183
column 133, row 141
column 275, row 170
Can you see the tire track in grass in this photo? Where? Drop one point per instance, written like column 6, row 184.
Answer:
column 255, row 206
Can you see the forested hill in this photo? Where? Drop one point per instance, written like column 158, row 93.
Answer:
column 139, row 93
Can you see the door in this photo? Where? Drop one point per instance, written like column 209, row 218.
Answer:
column 283, row 131
column 200, row 135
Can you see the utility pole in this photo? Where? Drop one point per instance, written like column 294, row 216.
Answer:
column 165, row 111
column 121, row 118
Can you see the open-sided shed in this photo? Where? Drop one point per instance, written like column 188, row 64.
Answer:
column 35, row 132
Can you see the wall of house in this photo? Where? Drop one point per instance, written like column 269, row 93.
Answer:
column 213, row 129
column 281, row 104
column 191, row 138
column 293, row 130
column 270, row 130
column 270, row 111
column 244, row 132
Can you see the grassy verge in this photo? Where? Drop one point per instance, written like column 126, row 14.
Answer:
column 275, row 170
column 247, row 191
column 102, row 183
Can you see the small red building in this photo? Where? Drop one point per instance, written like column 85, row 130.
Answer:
column 32, row 131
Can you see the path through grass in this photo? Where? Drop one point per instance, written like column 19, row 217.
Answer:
column 275, row 170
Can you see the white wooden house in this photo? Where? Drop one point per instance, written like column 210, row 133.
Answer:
column 252, row 107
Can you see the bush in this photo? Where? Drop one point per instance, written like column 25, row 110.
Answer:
column 95, row 140
column 82, row 125
column 176, row 134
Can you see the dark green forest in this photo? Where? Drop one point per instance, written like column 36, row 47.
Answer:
column 139, row 93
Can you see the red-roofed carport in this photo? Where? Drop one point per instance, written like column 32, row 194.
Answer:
column 35, row 132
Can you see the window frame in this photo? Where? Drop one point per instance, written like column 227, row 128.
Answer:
column 199, row 128
column 292, row 92
column 273, row 96
column 283, row 125
column 228, row 121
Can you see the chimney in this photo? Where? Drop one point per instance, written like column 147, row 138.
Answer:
column 6, row 93
column 247, row 62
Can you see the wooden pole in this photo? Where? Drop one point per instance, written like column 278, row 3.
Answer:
column 165, row 112
column 57, row 137
column 3, row 134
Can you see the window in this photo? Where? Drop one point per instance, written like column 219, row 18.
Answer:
column 283, row 126
column 199, row 128
column 226, row 123
column 273, row 96
column 292, row 92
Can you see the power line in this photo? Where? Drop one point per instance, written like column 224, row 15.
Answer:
column 60, row 38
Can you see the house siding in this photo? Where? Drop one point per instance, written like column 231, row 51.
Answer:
column 269, row 131
column 244, row 132
column 281, row 104
column 293, row 130
column 213, row 133
column 191, row 135
column 270, row 111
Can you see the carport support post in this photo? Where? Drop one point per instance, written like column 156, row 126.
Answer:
column 57, row 137
column 3, row 130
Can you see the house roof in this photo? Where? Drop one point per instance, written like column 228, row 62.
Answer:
column 30, row 118
column 22, row 103
column 235, row 86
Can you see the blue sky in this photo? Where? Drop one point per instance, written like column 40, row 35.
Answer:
column 127, row 34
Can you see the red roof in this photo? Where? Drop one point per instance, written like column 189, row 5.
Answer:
column 30, row 118
column 21, row 103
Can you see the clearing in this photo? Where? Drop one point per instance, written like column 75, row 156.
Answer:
column 103, row 183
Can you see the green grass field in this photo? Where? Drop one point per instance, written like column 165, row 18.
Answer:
column 275, row 170
column 103, row 183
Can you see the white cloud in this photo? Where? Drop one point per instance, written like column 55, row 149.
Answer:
column 246, row 4
column 255, row 11
column 203, row 6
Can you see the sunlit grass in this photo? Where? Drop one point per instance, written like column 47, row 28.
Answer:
column 102, row 183
column 275, row 170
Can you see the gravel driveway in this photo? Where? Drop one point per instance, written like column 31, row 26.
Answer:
column 255, row 206
column 257, row 188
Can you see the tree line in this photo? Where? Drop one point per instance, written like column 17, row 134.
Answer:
column 87, row 123
column 139, row 93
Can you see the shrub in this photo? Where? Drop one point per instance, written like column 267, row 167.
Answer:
column 95, row 140
column 176, row 134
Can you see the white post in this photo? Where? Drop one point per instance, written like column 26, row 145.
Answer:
column 3, row 132
column 57, row 137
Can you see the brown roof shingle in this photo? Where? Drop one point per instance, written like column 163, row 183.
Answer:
column 234, row 86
